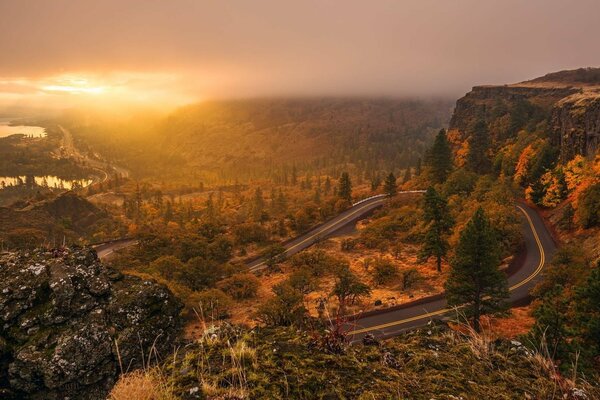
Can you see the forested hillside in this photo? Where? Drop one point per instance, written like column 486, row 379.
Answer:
column 224, row 141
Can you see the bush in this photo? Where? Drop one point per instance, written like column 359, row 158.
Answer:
column 250, row 233
column 240, row 286
column 409, row 278
column 383, row 271
column 212, row 303
column 303, row 281
column 168, row 267
column 200, row 273
column 316, row 261
column 285, row 308
column 588, row 207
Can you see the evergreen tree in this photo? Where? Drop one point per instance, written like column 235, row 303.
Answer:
column 439, row 226
column 390, row 187
column 407, row 175
column 327, row 185
column 294, row 178
column 475, row 280
column 440, row 157
column 210, row 207
column 345, row 187
column 479, row 145
column 418, row 168
column 259, row 204
column 375, row 182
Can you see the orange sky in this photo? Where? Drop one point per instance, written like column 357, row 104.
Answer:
column 69, row 52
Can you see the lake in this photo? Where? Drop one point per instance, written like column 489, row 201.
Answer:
column 6, row 129
column 44, row 181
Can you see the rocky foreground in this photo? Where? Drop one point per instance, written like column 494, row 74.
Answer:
column 70, row 324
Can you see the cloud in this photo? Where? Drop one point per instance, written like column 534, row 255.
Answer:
column 197, row 49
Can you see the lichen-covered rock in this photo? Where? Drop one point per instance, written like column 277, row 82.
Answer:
column 68, row 324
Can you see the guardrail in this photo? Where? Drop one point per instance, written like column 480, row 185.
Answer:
column 377, row 196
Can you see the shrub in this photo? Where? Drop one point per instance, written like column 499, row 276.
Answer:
column 383, row 271
column 409, row 278
column 168, row 267
column 240, row 286
column 316, row 261
column 285, row 308
column 303, row 281
column 212, row 303
column 199, row 273
column 250, row 233
column 588, row 207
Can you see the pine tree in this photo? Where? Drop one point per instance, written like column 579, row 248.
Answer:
column 479, row 145
column 327, row 185
column 439, row 226
column 375, row 182
column 418, row 167
column 390, row 187
column 259, row 204
column 345, row 187
column 475, row 280
column 294, row 178
column 407, row 175
column 440, row 157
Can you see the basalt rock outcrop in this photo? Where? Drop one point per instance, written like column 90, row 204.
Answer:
column 69, row 324
column 565, row 105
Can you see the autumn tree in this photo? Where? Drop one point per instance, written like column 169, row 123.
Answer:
column 475, row 281
column 479, row 144
column 439, row 224
column 345, row 187
column 390, row 187
column 285, row 308
column 439, row 157
column 588, row 211
column 348, row 288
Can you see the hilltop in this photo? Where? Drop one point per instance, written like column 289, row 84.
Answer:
column 52, row 219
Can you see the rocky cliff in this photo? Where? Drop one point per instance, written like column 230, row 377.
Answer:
column 563, row 106
column 69, row 324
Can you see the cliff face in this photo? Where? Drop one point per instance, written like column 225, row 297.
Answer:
column 575, row 124
column 69, row 324
column 493, row 103
column 564, row 106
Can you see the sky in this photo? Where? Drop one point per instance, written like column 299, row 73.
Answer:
column 76, row 52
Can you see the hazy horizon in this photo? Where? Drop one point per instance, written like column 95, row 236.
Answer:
column 67, row 53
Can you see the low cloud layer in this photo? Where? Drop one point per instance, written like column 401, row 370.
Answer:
column 206, row 49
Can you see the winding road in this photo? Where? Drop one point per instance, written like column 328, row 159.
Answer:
column 539, row 248
column 354, row 213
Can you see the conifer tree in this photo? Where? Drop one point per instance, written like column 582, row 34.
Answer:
column 294, row 178
column 390, row 187
column 345, row 187
column 475, row 280
column 407, row 175
column 327, row 185
column 439, row 226
column 440, row 157
column 479, row 144
column 418, row 167
column 259, row 204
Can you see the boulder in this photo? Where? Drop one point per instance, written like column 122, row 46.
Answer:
column 71, row 324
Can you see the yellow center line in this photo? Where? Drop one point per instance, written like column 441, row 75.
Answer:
column 446, row 310
column 320, row 232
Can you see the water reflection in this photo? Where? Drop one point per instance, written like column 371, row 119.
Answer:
column 30, row 131
column 48, row 181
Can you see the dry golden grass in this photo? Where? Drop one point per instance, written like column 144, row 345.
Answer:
column 141, row 385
